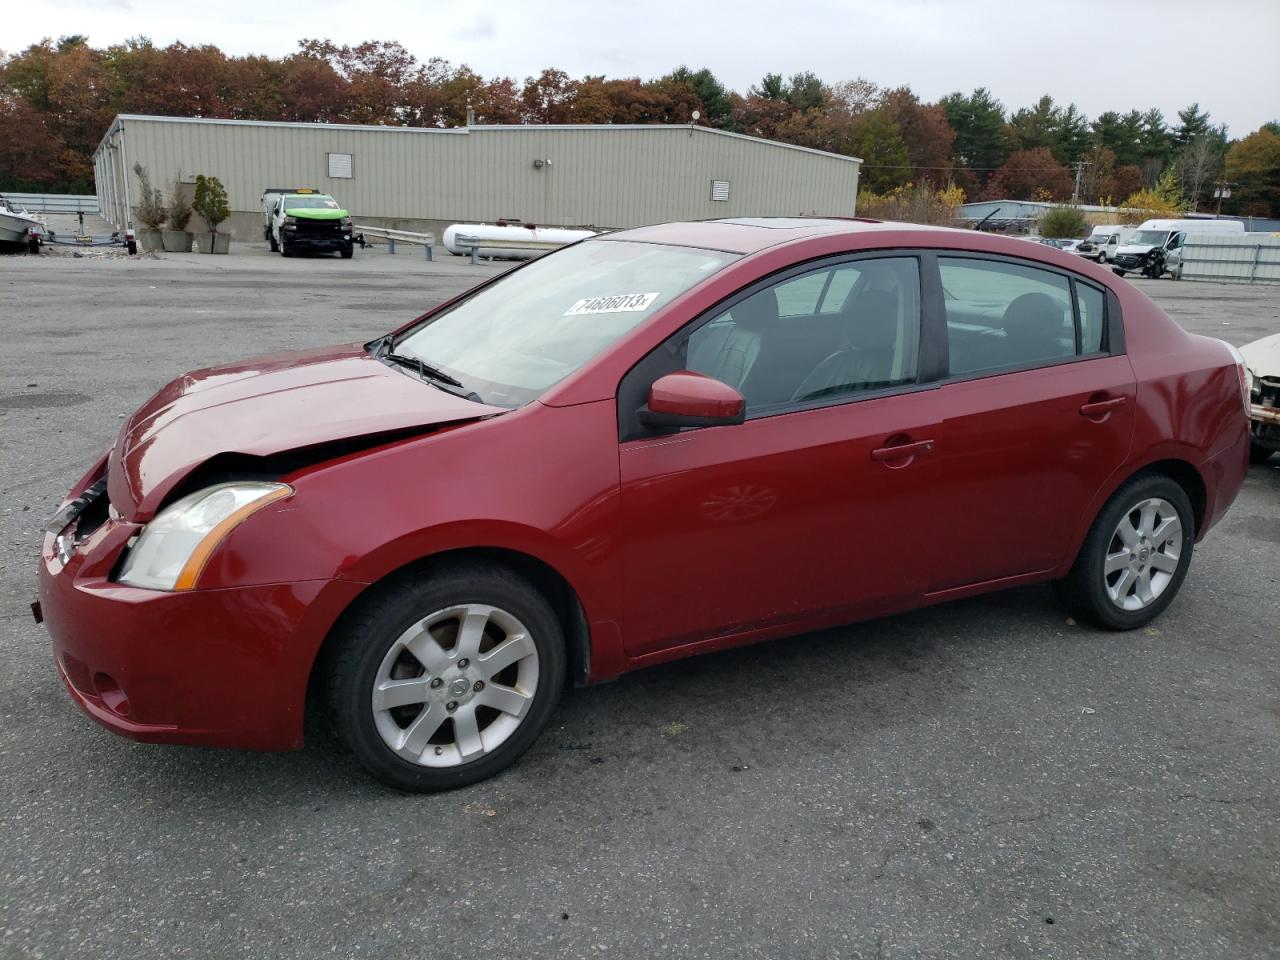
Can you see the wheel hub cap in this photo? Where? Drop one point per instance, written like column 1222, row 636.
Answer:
column 455, row 685
column 1143, row 554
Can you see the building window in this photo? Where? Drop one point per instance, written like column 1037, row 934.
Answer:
column 340, row 166
column 719, row 189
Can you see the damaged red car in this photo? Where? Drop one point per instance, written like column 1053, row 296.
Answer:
column 651, row 444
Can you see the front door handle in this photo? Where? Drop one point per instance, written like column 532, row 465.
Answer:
column 1100, row 407
column 901, row 451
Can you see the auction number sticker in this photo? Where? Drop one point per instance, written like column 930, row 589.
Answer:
column 618, row 303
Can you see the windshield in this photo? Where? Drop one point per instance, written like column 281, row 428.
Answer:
column 310, row 203
column 1149, row 238
column 514, row 339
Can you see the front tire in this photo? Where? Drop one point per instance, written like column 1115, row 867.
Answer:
column 271, row 241
column 285, row 249
column 1117, row 271
column 1135, row 557
column 444, row 679
column 348, row 253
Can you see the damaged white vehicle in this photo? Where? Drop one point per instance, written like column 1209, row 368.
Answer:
column 1262, row 363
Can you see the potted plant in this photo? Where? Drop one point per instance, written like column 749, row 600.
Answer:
column 151, row 211
column 211, row 204
column 177, row 239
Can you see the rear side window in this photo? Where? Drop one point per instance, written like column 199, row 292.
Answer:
column 1005, row 315
column 1092, row 318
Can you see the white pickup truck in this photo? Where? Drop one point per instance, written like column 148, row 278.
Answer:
column 300, row 218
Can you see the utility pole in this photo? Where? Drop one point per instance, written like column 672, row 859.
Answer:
column 1223, row 189
column 1075, row 194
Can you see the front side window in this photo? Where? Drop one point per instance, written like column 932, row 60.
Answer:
column 825, row 335
column 511, row 341
column 1002, row 315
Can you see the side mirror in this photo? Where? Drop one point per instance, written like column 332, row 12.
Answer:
column 689, row 399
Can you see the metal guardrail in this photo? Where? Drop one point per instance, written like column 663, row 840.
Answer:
column 54, row 202
column 1230, row 259
column 427, row 240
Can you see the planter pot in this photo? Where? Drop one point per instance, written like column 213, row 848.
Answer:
column 150, row 239
column 176, row 241
column 215, row 242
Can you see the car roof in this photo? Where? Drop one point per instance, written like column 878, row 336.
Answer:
column 751, row 234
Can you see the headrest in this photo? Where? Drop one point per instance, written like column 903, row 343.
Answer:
column 871, row 320
column 1033, row 315
column 757, row 312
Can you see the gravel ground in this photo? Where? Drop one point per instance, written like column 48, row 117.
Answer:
column 981, row 779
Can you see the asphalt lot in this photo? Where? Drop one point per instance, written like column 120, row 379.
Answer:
column 982, row 779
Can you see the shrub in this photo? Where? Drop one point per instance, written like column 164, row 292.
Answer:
column 179, row 210
column 211, row 201
column 151, row 209
column 912, row 203
column 1067, row 222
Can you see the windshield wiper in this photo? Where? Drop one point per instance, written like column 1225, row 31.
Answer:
column 425, row 370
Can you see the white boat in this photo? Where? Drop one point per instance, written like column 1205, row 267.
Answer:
column 16, row 226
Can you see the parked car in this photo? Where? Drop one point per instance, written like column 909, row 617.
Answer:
column 1103, row 242
column 1067, row 245
column 1148, row 249
column 650, row 444
column 304, row 219
column 1262, row 363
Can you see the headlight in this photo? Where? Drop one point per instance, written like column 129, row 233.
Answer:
column 346, row 223
column 173, row 548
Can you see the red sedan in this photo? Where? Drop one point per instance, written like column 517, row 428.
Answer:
column 651, row 444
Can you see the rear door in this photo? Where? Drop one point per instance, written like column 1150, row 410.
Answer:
column 1039, row 400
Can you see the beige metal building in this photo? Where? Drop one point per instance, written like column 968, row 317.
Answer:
column 412, row 178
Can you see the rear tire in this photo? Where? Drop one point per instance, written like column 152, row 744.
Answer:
column 411, row 633
column 1258, row 453
column 1135, row 556
column 271, row 240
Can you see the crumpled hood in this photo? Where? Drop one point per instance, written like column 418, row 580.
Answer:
column 268, row 406
column 1263, row 356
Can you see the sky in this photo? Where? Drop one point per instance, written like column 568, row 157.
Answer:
column 1100, row 54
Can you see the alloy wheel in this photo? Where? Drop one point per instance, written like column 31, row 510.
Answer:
column 1143, row 554
column 455, row 686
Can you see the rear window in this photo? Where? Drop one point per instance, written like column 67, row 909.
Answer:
column 1004, row 316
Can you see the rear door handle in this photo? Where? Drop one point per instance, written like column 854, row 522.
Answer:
column 1099, row 407
column 901, row 451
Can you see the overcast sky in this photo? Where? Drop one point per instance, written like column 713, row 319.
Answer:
column 1100, row 54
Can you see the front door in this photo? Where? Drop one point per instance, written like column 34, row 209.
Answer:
column 807, row 509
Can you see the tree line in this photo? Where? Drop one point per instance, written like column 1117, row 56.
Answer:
column 57, row 98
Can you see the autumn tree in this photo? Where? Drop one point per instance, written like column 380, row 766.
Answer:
column 1253, row 165
column 925, row 133
column 548, row 98
column 1031, row 175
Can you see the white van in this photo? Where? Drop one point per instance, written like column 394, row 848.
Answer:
column 1101, row 245
column 1148, row 248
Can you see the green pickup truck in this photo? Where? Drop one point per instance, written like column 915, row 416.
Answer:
column 301, row 218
